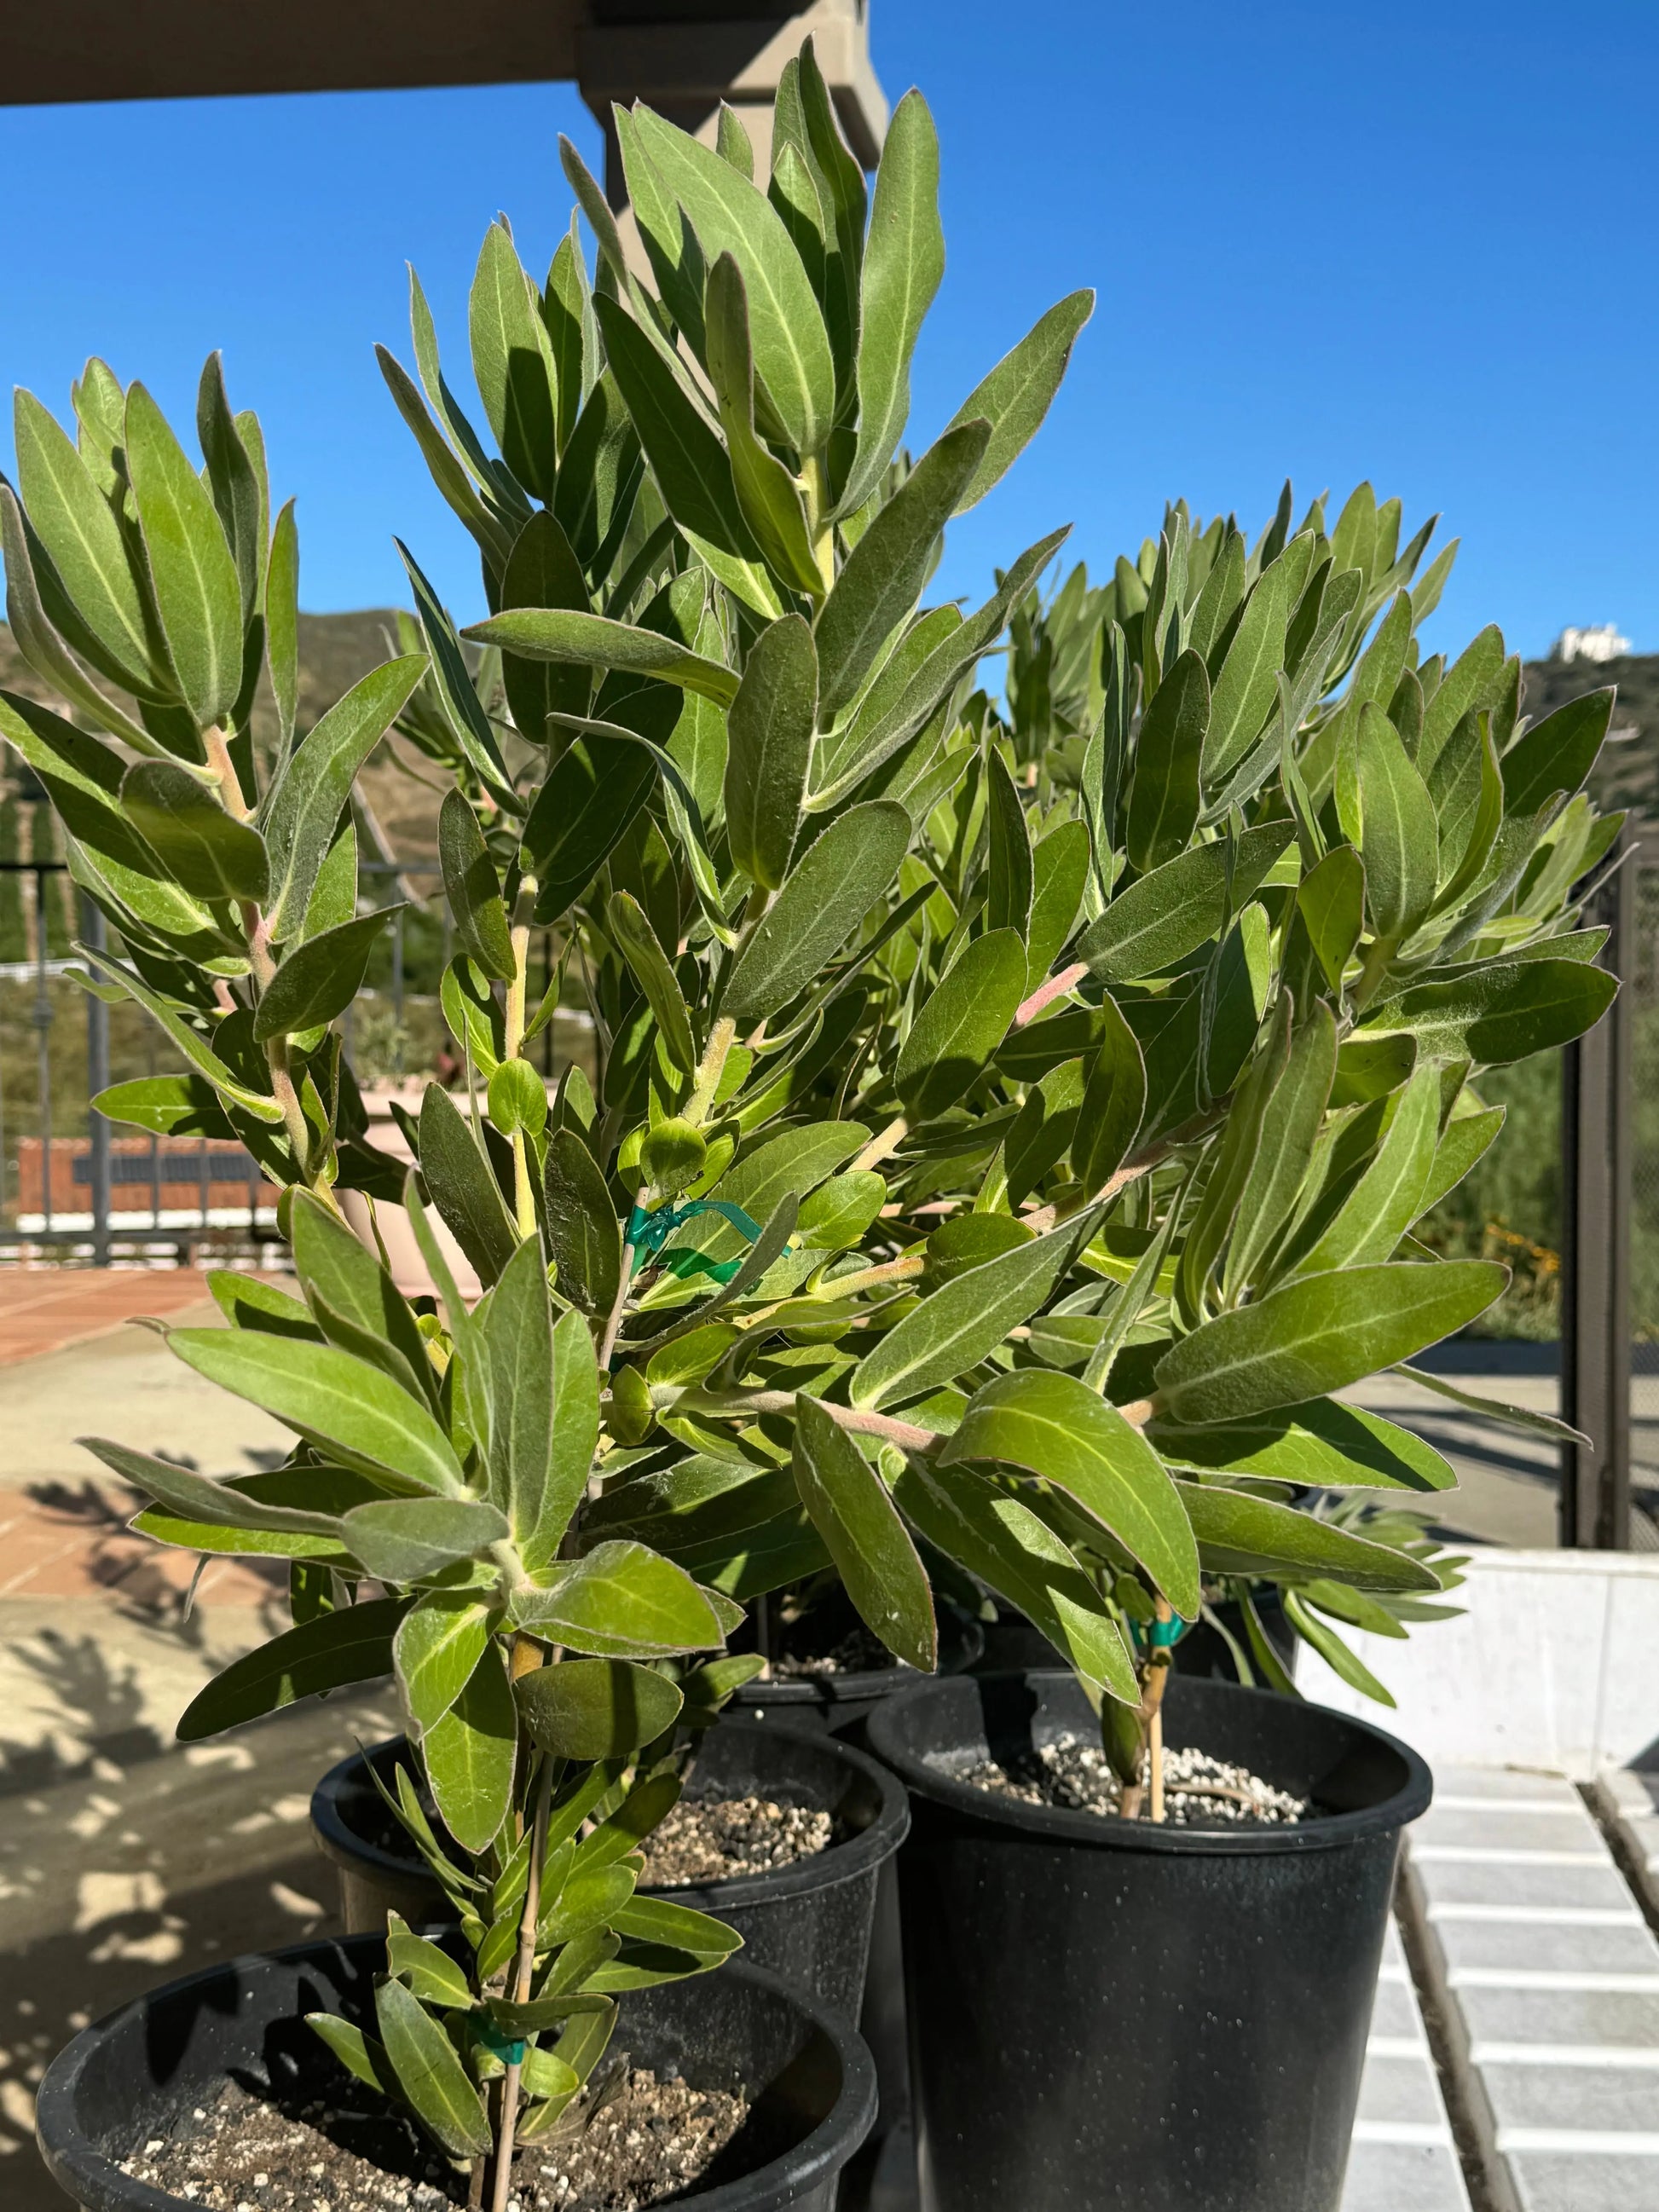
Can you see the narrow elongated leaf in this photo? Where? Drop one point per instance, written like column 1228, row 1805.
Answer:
column 1163, row 791
column 574, row 1437
column 361, row 2055
column 962, row 1024
column 1499, row 1013
column 958, row 1324
column 190, row 1043
column 1516, row 1416
column 1010, row 871
column 430, row 2072
column 1388, row 1197
column 904, row 262
column 1337, row 1655
column 471, row 1752
column 303, row 809
column 880, row 1569
column 320, row 977
column 1113, row 1102
column 1246, row 686
column 972, row 1520
column 1467, row 1137
column 645, row 955
column 582, row 1231
column 474, row 889
column 1464, row 687
column 438, row 1643
column 1055, row 1426
column 621, row 1601
column 596, row 1708
column 1285, row 1148
column 769, row 728
column 1556, row 754
column 590, row 641
column 887, row 568
column 1320, row 1335
column 768, row 495
column 830, row 890
column 462, row 1185
column 206, row 850
column 92, row 584
column 406, row 1540
column 430, row 1972
column 1017, row 393
column 199, row 1498
column 1331, row 900
column 282, row 622
column 515, row 1337
column 1059, row 869
column 1166, row 915
column 730, row 216
column 331, row 1399
column 1324, row 1445
column 1239, row 1533
column 581, row 816
column 353, row 1644
column 513, row 361
column 192, row 572
column 39, row 643
column 1399, row 841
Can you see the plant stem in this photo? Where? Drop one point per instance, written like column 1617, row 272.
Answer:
column 614, row 1318
column 524, row 1196
column 521, row 1979
column 710, row 1069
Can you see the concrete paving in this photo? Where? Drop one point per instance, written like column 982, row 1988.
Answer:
column 1546, row 1976
column 1629, row 1800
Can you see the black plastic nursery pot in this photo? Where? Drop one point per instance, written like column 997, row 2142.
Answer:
column 809, row 1922
column 840, row 1703
column 1110, row 2016
column 134, row 2075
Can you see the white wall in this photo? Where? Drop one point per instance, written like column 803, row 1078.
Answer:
column 1555, row 1665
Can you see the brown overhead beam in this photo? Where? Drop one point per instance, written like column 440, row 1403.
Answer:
column 683, row 57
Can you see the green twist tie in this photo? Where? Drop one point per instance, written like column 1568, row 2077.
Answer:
column 649, row 1232
column 1161, row 1635
column 511, row 2048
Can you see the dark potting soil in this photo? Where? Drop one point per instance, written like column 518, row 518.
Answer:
column 648, row 2143
column 714, row 1838
column 1199, row 1791
column 857, row 1652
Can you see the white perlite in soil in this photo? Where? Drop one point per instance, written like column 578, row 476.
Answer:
column 1199, row 1791
column 718, row 1838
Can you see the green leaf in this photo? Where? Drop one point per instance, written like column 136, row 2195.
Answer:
column 1163, row 790
column 596, row 1708
column 582, row 1231
column 637, row 942
column 438, row 1643
column 886, row 570
column 1331, row 900
column 40, row 644
column 513, row 361
column 575, row 1438
column 659, row 1921
column 474, row 889
column 832, row 888
column 302, row 810
column 1161, row 919
column 904, row 262
column 199, row 1498
column 192, row 572
column 515, row 1340
column 769, row 729
column 169, row 1105
column 1400, row 840
column 1113, row 1102
column 353, row 1644
column 1247, row 682
column 973, row 1520
column 1019, row 393
column 331, row 1399
column 1324, row 1445
column 429, row 1973
column 1466, row 1140
column 1009, row 871
column 1388, row 1197
column 237, row 486
column 1285, row 1147
column 961, row 1023
column 581, row 815
column 1242, row 1534
column 1059, row 872
column 955, row 1328
column 407, row 1540
column 320, row 978
column 730, row 216
column 543, row 571
column 1556, row 754
column 1466, row 686
column 359, row 2054
column 1055, row 1426
column 768, row 495
column 91, row 591
column 1517, row 1417
column 1503, row 1013
column 471, row 1754
column 562, row 634
column 431, row 2074
column 204, row 849
column 621, row 1601
column 880, row 1569
column 462, row 1185
column 1332, row 1649
column 282, row 622
column 1318, row 1334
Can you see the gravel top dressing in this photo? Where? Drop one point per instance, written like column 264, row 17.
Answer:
column 649, row 2142
column 716, row 1838
column 1199, row 1791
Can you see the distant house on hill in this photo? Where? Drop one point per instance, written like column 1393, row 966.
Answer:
column 1601, row 642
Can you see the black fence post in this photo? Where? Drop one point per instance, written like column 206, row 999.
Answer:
column 92, row 922
column 1596, row 1210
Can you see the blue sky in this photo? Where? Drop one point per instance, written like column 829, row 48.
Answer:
column 1415, row 244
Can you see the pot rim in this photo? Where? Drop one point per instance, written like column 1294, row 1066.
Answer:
column 837, row 1864
column 1065, row 1824
column 94, row 2180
